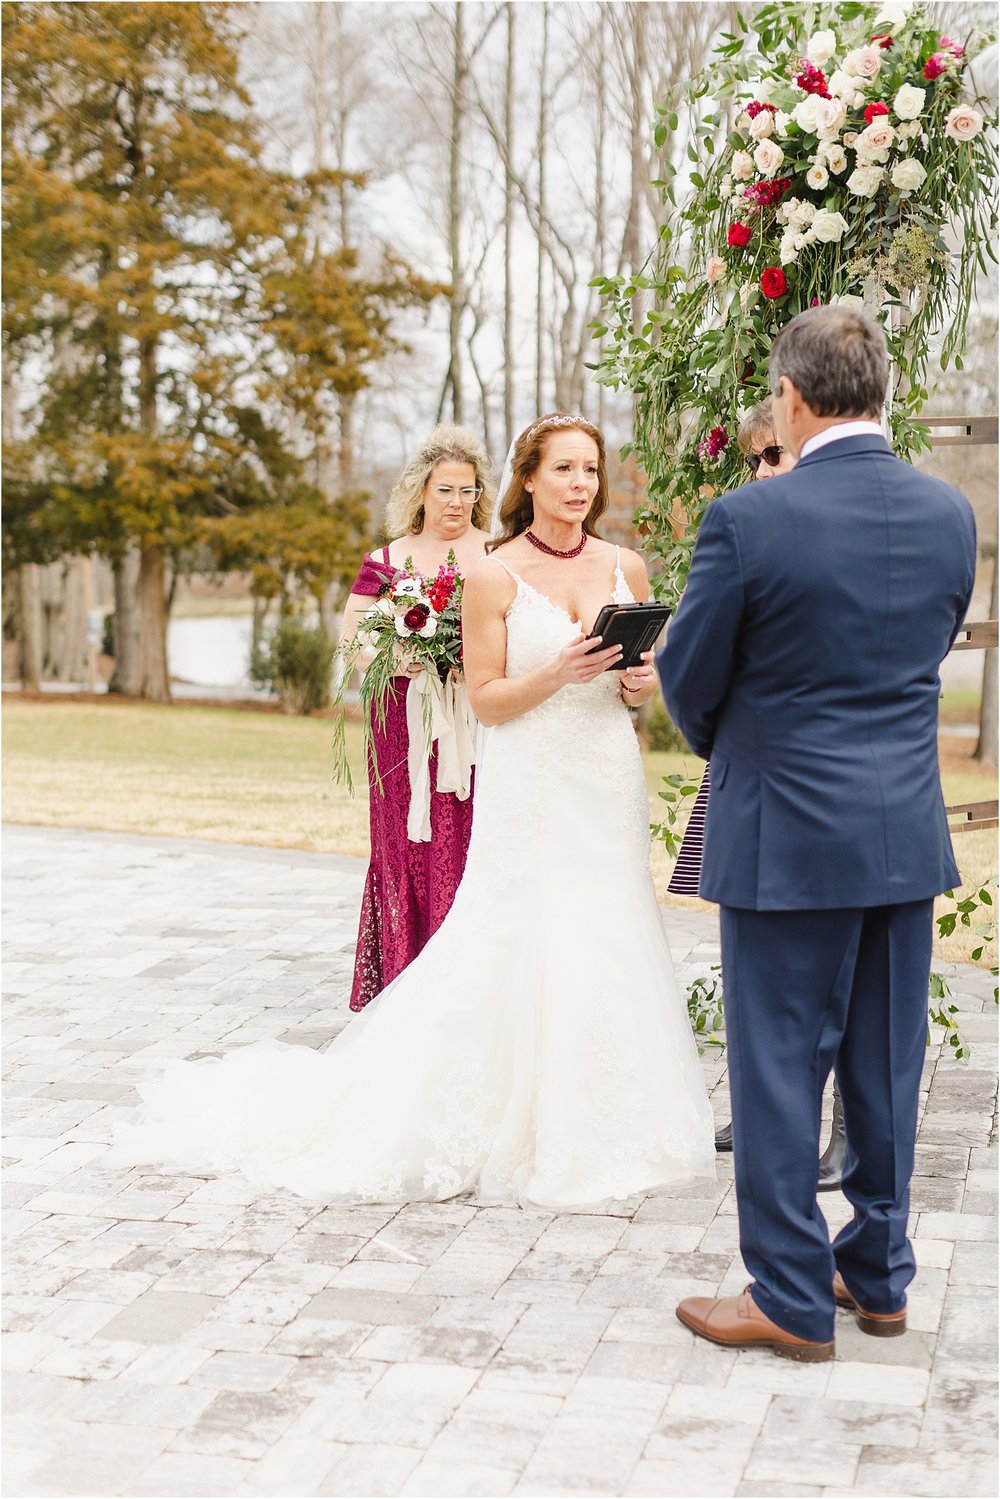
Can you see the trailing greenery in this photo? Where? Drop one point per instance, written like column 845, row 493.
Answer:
column 772, row 219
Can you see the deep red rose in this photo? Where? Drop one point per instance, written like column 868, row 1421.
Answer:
column 773, row 283
column 884, row 41
column 874, row 110
column 416, row 617
column 739, row 235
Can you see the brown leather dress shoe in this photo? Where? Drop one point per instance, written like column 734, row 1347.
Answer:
column 738, row 1322
column 875, row 1324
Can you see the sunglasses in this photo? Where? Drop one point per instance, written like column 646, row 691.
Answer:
column 770, row 455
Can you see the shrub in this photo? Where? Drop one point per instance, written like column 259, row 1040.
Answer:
column 661, row 731
column 297, row 662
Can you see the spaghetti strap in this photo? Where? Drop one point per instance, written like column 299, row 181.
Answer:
column 517, row 578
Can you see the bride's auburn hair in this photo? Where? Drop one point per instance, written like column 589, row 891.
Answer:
column 515, row 507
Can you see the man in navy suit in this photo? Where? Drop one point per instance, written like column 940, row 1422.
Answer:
column 803, row 660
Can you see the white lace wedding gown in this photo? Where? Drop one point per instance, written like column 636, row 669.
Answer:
column 537, row 1051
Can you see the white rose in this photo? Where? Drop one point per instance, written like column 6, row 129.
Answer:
column 768, row 157
column 803, row 215
column 836, row 159
column 892, row 15
column 383, row 606
column 804, row 114
column 762, row 125
column 850, row 301
column 781, row 122
column 787, row 249
column 830, row 116
column 839, row 83
column 763, row 90
column 715, row 270
column 742, row 165
column 821, row 47
column 908, row 175
column 963, row 122
column 817, row 177
column 850, row 137
column 864, row 181
column 828, row 227
column 909, row 102
column 744, row 122
column 727, row 185
column 863, row 62
column 879, row 136
column 908, row 131
column 856, row 101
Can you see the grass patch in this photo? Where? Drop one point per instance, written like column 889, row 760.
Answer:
column 231, row 776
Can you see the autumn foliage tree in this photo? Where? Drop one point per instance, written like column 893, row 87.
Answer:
column 166, row 297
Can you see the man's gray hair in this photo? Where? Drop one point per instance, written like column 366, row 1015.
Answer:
column 836, row 359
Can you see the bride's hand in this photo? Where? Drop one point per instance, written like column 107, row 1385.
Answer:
column 584, row 660
column 638, row 683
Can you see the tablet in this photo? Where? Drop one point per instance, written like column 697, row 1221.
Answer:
column 634, row 627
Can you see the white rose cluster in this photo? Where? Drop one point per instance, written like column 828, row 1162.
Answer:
column 907, row 175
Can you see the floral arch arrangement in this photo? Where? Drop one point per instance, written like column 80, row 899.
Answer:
column 852, row 152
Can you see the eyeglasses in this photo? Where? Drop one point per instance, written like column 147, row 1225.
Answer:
column 445, row 493
column 769, row 455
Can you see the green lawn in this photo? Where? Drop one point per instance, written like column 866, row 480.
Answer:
column 254, row 777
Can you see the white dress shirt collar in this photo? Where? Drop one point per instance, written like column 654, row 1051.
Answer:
column 834, row 434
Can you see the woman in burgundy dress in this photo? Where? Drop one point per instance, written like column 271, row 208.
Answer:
column 442, row 501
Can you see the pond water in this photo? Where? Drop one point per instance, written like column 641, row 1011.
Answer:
column 212, row 652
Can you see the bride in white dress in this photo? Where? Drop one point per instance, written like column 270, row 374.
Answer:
column 537, row 1051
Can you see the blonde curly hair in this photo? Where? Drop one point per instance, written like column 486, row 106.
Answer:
column 404, row 511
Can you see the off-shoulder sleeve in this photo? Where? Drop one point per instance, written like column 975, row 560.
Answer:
column 373, row 576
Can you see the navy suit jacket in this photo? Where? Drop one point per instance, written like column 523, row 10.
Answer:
column 803, row 660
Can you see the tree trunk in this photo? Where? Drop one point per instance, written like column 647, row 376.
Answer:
column 30, row 634
column 540, row 276
column 986, row 749
column 154, row 681
column 508, row 237
column 454, row 219
column 125, row 677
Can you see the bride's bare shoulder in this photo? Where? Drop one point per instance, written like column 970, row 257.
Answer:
column 489, row 581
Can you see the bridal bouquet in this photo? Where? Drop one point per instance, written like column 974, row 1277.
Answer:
column 414, row 619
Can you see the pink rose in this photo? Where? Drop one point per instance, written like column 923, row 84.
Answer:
column 878, row 136
column 715, row 270
column 963, row 122
column 864, row 62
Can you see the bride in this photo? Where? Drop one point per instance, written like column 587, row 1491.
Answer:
column 537, row 1051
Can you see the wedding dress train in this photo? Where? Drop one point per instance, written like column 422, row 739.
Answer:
column 537, row 1050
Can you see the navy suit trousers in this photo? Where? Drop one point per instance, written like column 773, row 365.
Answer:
column 805, row 989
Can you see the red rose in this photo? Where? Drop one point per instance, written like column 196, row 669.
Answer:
column 739, row 235
column 416, row 617
column 874, row 110
column 773, row 283
column 884, row 41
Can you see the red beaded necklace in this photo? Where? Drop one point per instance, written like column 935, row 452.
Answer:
column 551, row 551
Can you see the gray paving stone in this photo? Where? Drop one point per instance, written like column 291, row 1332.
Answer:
column 177, row 1335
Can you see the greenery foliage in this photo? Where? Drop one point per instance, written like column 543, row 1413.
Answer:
column 660, row 730
column 297, row 661
column 739, row 256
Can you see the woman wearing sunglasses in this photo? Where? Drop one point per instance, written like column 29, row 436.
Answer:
column 765, row 457
column 441, row 502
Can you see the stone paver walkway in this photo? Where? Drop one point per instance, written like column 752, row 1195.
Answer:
column 176, row 1336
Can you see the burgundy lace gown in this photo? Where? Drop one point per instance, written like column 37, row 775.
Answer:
column 410, row 886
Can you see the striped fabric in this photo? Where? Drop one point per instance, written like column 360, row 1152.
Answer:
column 687, row 870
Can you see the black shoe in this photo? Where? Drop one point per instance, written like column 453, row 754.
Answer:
column 831, row 1162
column 724, row 1137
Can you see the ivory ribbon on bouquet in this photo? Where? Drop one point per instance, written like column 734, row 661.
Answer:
column 453, row 730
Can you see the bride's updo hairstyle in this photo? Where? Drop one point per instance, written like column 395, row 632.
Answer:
column 515, row 507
